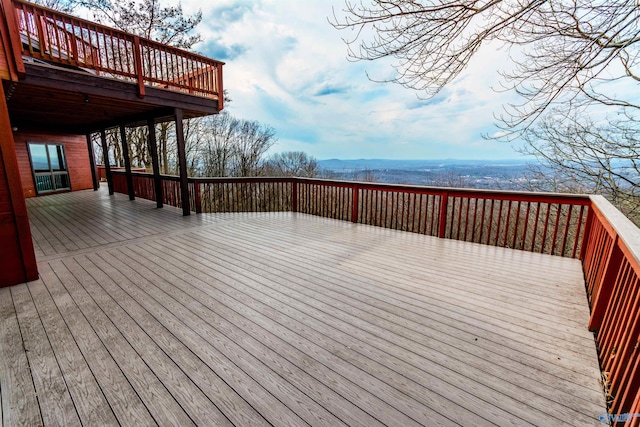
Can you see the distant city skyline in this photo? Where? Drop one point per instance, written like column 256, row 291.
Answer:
column 286, row 67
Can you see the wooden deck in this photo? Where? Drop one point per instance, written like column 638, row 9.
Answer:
column 145, row 317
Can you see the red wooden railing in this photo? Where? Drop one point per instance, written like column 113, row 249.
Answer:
column 55, row 37
column 611, row 265
column 577, row 226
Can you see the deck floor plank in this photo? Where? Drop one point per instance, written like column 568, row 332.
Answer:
column 88, row 398
column 278, row 359
column 359, row 285
column 371, row 317
column 18, row 399
column 287, row 319
column 54, row 398
column 124, row 401
column 355, row 327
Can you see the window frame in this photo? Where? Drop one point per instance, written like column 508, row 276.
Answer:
column 52, row 173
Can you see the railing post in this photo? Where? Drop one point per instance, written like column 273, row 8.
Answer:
column 15, row 41
column 600, row 301
column 294, row 195
column 220, row 86
column 127, row 162
column 356, row 201
column 153, row 151
column 442, row 224
column 137, row 58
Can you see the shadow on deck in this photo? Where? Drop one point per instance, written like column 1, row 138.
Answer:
column 142, row 316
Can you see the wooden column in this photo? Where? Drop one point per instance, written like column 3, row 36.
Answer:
column 92, row 160
column 127, row 162
column 182, row 164
column 17, row 256
column 153, row 151
column 105, row 157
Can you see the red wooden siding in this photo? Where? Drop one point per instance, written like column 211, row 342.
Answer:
column 76, row 153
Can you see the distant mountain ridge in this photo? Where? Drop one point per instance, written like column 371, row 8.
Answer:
column 504, row 174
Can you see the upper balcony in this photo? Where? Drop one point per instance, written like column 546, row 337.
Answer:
column 72, row 74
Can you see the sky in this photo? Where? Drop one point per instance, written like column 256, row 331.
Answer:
column 287, row 68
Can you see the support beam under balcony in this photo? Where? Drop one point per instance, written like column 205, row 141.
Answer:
column 153, row 150
column 127, row 161
column 182, row 163
column 92, row 161
column 107, row 164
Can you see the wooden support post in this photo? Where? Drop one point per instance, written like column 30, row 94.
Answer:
column 137, row 59
column 220, row 87
column 105, row 157
column 18, row 259
column 92, row 161
column 294, row 195
column 182, row 163
column 356, row 202
column 14, row 55
column 127, row 162
column 153, row 151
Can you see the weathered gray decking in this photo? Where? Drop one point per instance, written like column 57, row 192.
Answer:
column 144, row 317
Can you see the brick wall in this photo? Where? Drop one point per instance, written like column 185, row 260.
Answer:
column 75, row 150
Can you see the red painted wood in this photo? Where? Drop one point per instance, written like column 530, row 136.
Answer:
column 17, row 256
column 75, row 150
column 56, row 37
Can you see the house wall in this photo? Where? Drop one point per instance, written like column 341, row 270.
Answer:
column 76, row 153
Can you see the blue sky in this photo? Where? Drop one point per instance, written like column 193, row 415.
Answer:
column 286, row 66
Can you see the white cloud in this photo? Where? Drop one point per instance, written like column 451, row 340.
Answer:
column 287, row 68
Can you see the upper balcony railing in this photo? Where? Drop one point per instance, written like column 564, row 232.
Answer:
column 577, row 226
column 58, row 38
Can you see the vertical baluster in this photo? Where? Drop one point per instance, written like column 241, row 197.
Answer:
column 578, row 232
column 544, row 232
column 515, row 226
column 566, row 229
column 555, row 228
column 507, row 223
column 498, row 230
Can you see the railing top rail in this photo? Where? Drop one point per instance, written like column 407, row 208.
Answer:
column 620, row 227
column 576, row 199
column 114, row 31
column 454, row 191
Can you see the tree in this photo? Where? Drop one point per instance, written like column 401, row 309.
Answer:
column 565, row 50
column 65, row 6
column 149, row 19
column 253, row 141
column 602, row 157
column 292, row 163
column 165, row 24
column 217, row 135
column 570, row 60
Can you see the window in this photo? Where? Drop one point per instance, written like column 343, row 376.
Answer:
column 49, row 167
